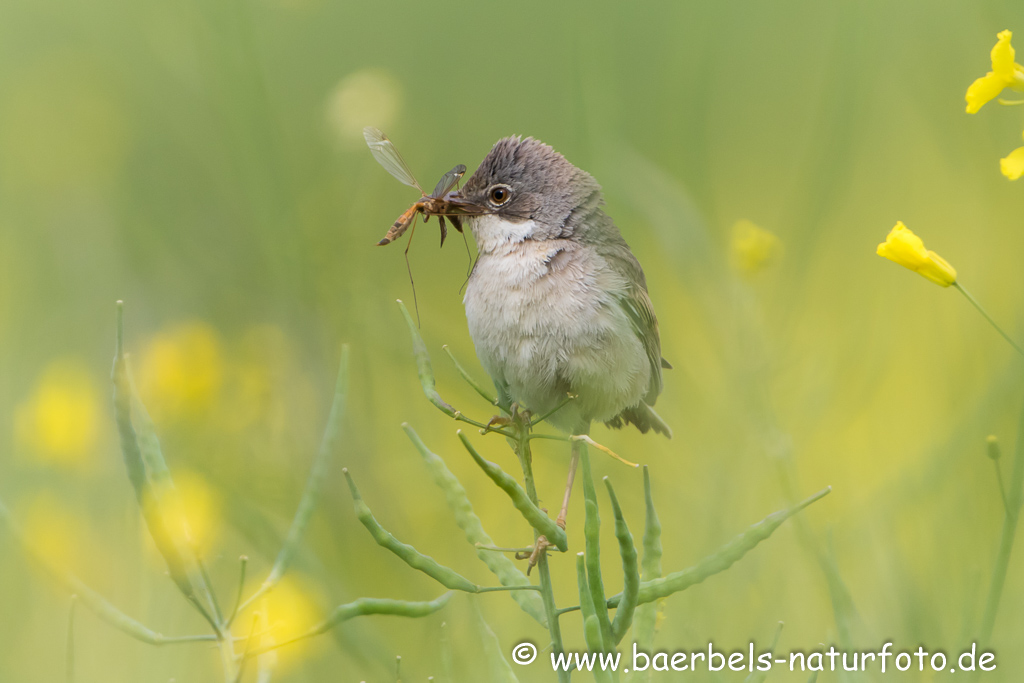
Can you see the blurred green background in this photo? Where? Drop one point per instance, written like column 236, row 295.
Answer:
column 203, row 161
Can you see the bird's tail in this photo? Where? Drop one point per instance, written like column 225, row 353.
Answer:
column 643, row 417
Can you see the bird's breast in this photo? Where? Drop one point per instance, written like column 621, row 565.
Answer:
column 530, row 288
column 544, row 321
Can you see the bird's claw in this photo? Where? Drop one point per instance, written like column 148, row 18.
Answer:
column 518, row 418
column 497, row 421
column 539, row 548
column 520, row 415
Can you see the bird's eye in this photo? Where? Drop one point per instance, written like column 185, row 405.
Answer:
column 500, row 194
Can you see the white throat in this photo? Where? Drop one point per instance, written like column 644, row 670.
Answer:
column 495, row 234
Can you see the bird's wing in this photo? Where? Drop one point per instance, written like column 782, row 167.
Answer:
column 638, row 308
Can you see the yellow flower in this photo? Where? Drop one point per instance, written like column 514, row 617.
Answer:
column 193, row 512
column 905, row 248
column 59, row 422
column 1012, row 165
column 1005, row 73
column 288, row 611
column 365, row 97
column 182, row 371
column 752, row 247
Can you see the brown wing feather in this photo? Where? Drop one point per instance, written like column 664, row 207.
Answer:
column 638, row 308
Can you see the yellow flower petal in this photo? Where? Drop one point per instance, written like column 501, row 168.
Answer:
column 752, row 247
column 984, row 90
column 1005, row 73
column 1003, row 56
column 182, row 371
column 907, row 249
column 60, row 421
column 1012, row 166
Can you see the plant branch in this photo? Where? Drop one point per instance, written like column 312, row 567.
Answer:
column 721, row 560
column 984, row 313
column 1014, row 497
column 95, row 602
column 483, row 393
column 243, row 561
column 546, row 590
column 314, row 484
column 363, row 607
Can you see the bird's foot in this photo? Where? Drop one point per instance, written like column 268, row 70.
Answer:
column 519, row 419
column 539, row 548
column 497, row 421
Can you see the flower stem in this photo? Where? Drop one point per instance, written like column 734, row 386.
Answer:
column 1002, row 486
column 546, row 590
column 987, row 317
column 69, row 656
column 1014, row 498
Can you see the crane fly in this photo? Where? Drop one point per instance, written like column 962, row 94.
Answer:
column 440, row 202
column 437, row 203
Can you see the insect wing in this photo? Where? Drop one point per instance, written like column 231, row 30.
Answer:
column 448, row 181
column 386, row 154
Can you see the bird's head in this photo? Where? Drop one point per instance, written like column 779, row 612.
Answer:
column 525, row 190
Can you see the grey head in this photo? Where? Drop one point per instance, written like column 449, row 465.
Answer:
column 526, row 180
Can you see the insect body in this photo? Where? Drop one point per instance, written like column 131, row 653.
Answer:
column 434, row 204
column 440, row 202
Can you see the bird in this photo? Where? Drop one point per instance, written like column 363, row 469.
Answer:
column 556, row 303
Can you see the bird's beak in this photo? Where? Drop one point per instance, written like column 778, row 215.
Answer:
column 461, row 206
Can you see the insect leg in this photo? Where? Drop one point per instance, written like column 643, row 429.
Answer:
column 408, row 266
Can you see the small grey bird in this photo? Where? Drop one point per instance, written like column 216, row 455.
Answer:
column 557, row 304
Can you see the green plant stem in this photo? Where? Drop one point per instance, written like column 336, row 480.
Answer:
column 425, row 371
column 1014, row 497
column 244, row 563
column 228, row 661
column 646, row 619
column 455, row 495
column 630, row 571
column 537, row 420
column 546, row 590
column 447, row 653
column 520, row 499
column 984, row 313
column 719, row 561
column 247, row 648
column 592, row 632
column 96, row 603
column 446, row 576
column 364, row 607
column 211, row 595
column 483, row 393
column 69, row 661
column 500, row 670
column 314, row 484
column 499, row 589
column 1002, row 486
column 496, row 549
column 592, row 543
column 548, row 437
column 135, row 466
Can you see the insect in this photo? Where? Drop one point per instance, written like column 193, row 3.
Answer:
column 438, row 203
